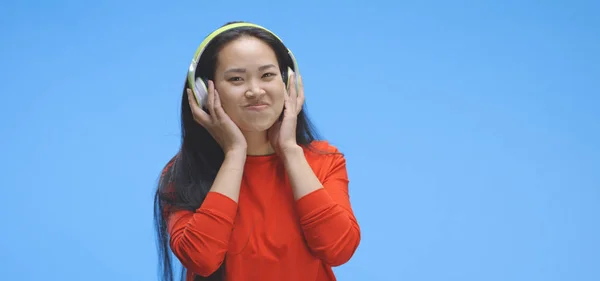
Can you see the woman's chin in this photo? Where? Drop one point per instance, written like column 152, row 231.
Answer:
column 256, row 127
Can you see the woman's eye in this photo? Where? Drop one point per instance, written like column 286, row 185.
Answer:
column 235, row 79
column 270, row 74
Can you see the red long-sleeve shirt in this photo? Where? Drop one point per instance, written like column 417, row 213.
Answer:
column 268, row 235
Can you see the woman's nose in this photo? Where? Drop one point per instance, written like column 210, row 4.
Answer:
column 254, row 90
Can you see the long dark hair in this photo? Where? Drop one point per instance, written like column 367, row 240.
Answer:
column 188, row 177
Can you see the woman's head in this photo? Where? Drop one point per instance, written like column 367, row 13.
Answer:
column 248, row 66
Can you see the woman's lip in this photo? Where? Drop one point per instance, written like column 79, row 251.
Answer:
column 257, row 106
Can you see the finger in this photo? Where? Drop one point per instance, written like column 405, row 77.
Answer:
column 211, row 98
column 199, row 115
column 300, row 99
column 288, row 109
column 293, row 94
column 291, row 88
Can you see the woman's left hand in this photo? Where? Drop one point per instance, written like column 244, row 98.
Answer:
column 282, row 134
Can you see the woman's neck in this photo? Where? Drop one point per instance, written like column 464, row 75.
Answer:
column 258, row 143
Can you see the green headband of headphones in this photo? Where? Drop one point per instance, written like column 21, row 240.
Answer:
column 200, row 84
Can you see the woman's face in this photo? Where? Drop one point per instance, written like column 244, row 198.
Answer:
column 250, row 85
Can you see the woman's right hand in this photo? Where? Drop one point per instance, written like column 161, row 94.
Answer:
column 217, row 122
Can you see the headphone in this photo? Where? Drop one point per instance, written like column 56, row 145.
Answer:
column 200, row 84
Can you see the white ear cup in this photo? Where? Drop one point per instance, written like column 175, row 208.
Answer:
column 290, row 73
column 200, row 92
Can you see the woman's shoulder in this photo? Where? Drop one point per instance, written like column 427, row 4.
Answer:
column 322, row 147
column 324, row 158
column 322, row 152
column 167, row 173
column 169, row 166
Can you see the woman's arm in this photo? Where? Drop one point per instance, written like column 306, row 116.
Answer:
column 330, row 227
column 200, row 239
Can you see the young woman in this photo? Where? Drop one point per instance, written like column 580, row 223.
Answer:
column 252, row 194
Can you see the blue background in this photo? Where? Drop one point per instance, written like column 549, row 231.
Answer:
column 471, row 129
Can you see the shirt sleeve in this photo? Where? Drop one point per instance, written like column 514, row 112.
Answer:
column 326, row 217
column 200, row 239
